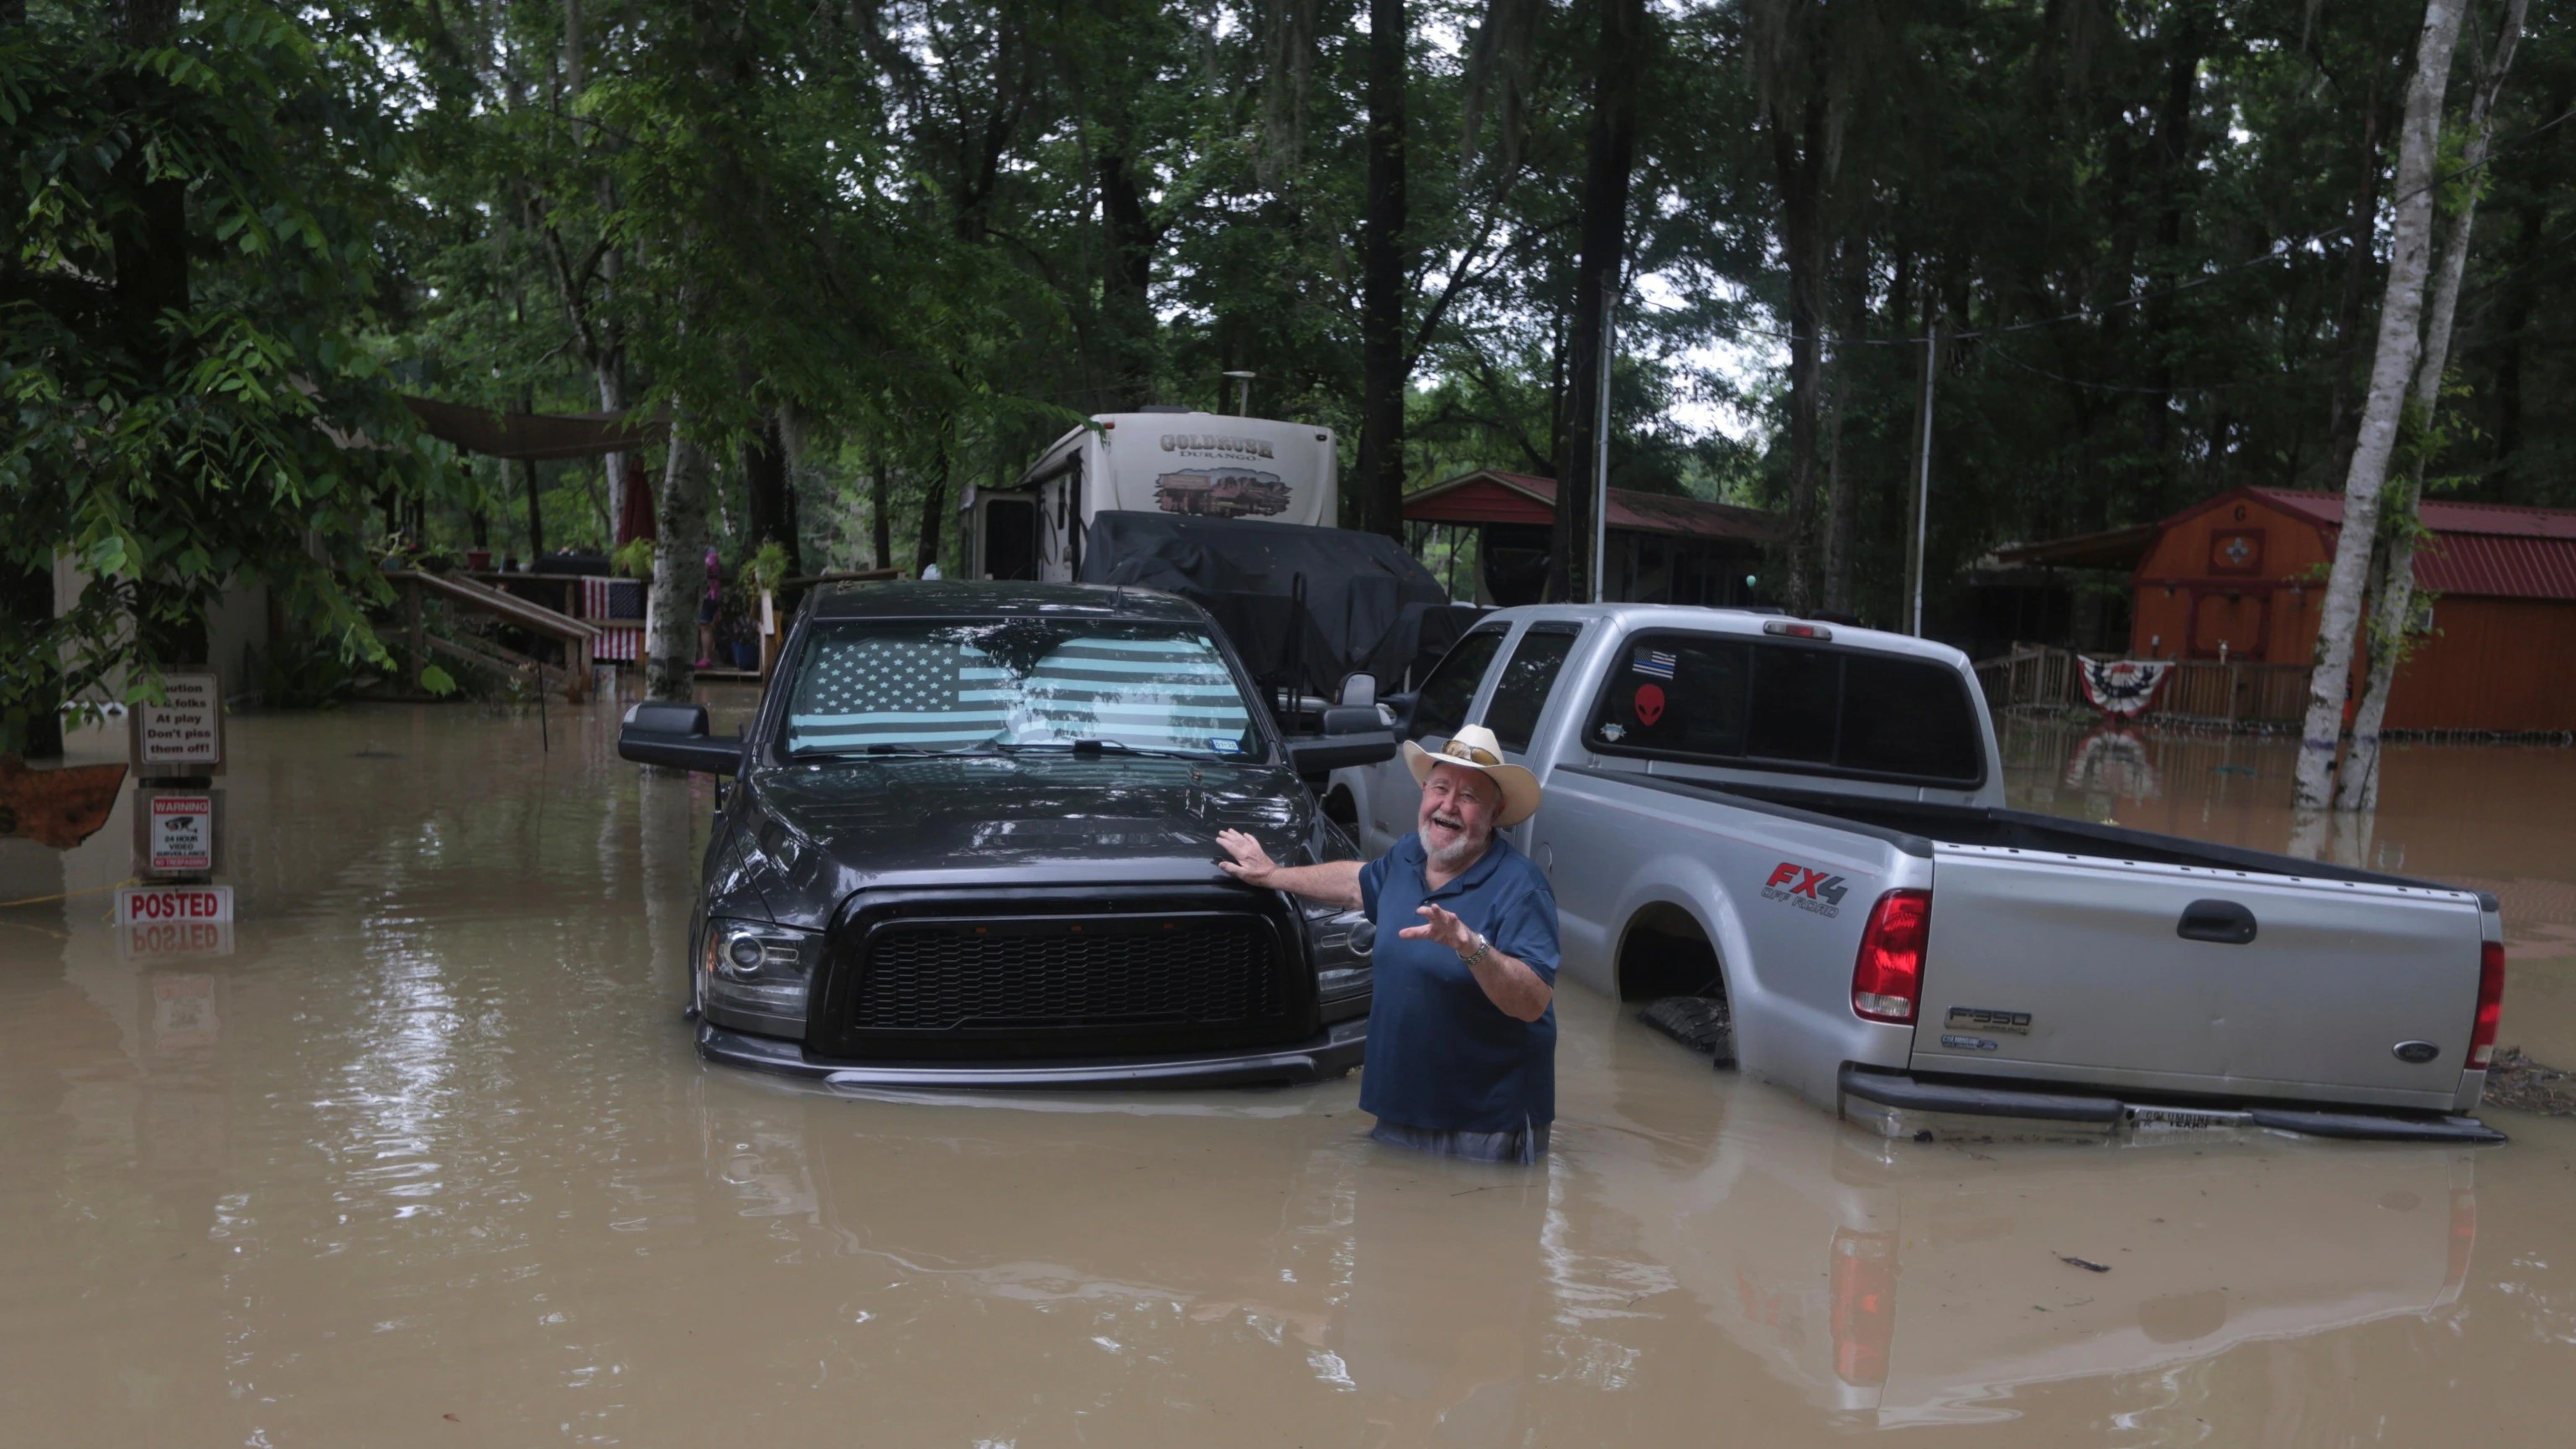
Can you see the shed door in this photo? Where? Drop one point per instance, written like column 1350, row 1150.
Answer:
column 2233, row 620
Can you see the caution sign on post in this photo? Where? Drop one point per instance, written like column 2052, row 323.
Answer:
column 185, row 734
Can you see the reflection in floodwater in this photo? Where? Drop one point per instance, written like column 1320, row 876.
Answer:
column 1948, row 1285
column 427, row 1156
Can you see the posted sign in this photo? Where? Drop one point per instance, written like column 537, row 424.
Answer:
column 176, row 831
column 174, row 920
column 145, row 905
column 184, row 736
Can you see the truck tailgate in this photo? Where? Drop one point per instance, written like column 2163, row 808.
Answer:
column 2064, row 968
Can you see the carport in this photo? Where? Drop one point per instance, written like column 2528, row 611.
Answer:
column 1661, row 549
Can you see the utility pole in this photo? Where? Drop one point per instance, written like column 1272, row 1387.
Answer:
column 1601, row 442
column 1923, row 475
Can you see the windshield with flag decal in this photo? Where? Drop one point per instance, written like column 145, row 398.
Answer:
column 894, row 685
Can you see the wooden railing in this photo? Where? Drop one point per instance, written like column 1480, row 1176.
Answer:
column 575, row 635
column 2199, row 691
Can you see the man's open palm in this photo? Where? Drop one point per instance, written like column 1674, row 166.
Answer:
column 1251, row 864
column 1443, row 927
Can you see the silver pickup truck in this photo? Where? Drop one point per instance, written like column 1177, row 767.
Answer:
column 1808, row 821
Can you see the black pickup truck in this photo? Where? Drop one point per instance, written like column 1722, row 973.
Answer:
column 970, row 841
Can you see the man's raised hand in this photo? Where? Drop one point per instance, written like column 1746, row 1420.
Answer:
column 1443, row 927
column 1251, row 864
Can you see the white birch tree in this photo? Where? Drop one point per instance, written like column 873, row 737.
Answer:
column 2392, row 373
column 679, row 573
column 2393, row 577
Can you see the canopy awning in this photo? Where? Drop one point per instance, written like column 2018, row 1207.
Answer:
column 539, row 436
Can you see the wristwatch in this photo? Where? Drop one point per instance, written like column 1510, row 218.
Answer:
column 1484, row 943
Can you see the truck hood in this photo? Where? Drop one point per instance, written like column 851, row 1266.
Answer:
column 814, row 833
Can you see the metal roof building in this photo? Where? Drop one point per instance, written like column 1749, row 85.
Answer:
column 2241, row 577
column 1660, row 549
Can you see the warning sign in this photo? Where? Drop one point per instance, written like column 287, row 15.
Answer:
column 178, row 829
column 183, row 834
column 184, row 736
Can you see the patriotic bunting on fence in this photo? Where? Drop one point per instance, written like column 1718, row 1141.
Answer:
column 2125, row 686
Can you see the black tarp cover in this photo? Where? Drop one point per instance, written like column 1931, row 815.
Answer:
column 1369, row 606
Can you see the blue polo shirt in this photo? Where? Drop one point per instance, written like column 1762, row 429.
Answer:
column 1441, row 1054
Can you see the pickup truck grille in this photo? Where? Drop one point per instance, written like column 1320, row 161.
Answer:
column 1017, row 975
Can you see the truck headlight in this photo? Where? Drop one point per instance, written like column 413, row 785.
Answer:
column 1343, row 941
column 759, row 968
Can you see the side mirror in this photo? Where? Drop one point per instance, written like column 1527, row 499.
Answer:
column 1356, row 690
column 1321, row 755
column 1351, row 719
column 676, row 735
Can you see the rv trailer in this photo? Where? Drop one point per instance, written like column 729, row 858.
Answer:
column 1200, row 465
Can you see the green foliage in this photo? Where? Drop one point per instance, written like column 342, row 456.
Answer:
column 633, row 559
column 910, row 242
column 765, row 569
column 191, row 355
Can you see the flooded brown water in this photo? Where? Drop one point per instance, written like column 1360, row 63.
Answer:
column 427, row 1159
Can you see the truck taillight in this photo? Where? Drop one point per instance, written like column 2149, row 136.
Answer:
column 2490, row 1005
column 1888, row 978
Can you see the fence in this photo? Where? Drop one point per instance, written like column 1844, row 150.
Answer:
column 2204, row 692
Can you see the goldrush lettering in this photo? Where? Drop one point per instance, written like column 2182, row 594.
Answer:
column 1214, row 443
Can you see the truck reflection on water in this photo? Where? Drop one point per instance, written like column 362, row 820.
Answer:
column 1887, row 1284
column 1946, row 1284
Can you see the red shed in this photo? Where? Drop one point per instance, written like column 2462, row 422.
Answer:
column 2241, row 577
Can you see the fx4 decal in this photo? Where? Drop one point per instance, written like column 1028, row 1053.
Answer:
column 1808, row 890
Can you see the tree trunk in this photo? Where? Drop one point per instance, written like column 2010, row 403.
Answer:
column 630, row 493
column 536, row 518
column 1798, row 156
column 1609, row 156
column 679, row 573
column 1129, row 280
column 1842, row 484
column 934, row 509
column 2394, row 580
column 881, row 510
column 771, row 514
column 2391, row 374
column 1380, row 490
column 148, row 240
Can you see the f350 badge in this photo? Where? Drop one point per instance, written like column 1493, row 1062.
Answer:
column 1808, row 890
column 1983, row 1018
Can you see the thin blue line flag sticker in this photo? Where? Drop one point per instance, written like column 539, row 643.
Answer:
column 1653, row 663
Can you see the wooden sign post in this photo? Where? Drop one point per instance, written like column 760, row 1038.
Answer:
column 178, row 749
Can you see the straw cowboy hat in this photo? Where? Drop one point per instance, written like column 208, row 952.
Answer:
column 1475, row 748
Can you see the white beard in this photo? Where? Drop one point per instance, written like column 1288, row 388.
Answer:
column 1460, row 853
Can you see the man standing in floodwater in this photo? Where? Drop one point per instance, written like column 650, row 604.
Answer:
column 1462, row 1025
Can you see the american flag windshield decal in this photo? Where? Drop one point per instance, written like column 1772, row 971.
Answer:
column 1015, row 682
